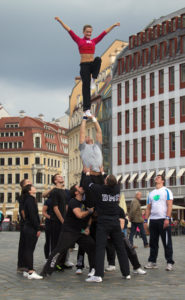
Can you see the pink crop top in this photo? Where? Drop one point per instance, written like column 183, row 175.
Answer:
column 86, row 46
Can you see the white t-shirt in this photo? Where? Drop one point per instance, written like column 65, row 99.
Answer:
column 157, row 198
column 91, row 155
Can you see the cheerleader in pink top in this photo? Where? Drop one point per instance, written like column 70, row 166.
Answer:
column 89, row 67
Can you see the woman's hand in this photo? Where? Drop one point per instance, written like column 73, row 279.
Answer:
column 117, row 24
column 57, row 19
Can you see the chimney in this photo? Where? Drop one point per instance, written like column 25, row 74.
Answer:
column 41, row 117
column 21, row 113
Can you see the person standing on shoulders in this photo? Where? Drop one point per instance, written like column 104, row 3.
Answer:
column 159, row 208
column 136, row 219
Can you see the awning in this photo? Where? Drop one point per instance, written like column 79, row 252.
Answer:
column 133, row 177
column 150, row 175
column 160, row 172
column 181, row 172
column 125, row 178
column 170, row 173
column 118, row 177
column 141, row 176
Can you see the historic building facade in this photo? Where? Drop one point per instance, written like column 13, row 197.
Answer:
column 148, row 90
column 101, row 107
column 30, row 148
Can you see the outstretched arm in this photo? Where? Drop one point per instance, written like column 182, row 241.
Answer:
column 98, row 130
column 82, row 131
column 66, row 27
column 111, row 27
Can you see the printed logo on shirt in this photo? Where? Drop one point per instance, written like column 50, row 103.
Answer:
column 110, row 198
column 89, row 42
column 156, row 197
column 83, row 207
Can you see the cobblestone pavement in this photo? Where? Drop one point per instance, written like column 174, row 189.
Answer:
column 156, row 284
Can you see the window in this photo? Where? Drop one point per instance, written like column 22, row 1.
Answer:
column 182, row 44
column 182, row 142
column 136, row 60
column 162, row 50
column 135, row 151
column 152, row 147
column 127, row 120
column 145, row 57
column 143, row 148
column 26, row 160
column 9, row 178
column 153, row 54
column 17, row 196
column 9, row 161
column 161, row 146
column 37, row 142
column 171, row 78
column 173, row 47
column 17, row 178
column 173, row 179
column 143, row 117
column 161, row 113
column 58, row 164
column 127, row 153
column 1, row 161
column 152, row 115
column 182, row 76
column 1, row 178
column 44, row 161
column 119, row 94
column 183, row 21
column 152, row 84
column 17, row 161
column 161, row 81
column 128, row 63
column 37, row 160
column 1, row 197
column 134, row 89
column 172, row 111
column 172, row 144
column 39, row 197
column 48, row 179
column 119, row 153
column 174, row 24
column 182, row 109
column 126, row 91
column 9, row 198
column 25, row 175
column 135, row 119
column 143, row 87
column 119, row 131
column 39, row 177
column 165, row 27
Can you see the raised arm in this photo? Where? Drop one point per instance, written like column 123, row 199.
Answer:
column 98, row 130
column 66, row 27
column 82, row 131
column 111, row 27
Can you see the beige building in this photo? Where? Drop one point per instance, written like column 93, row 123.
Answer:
column 76, row 110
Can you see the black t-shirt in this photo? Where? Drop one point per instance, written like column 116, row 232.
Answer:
column 72, row 223
column 21, row 208
column 48, row 203
column 58, row 198
column 122, row 216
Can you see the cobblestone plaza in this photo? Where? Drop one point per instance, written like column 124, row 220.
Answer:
column 156, row 284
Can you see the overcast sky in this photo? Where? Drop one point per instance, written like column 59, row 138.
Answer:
column 39, row 60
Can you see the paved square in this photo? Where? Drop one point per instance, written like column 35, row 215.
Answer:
column 156, row 284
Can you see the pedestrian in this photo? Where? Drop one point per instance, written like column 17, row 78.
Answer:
column 88, row 65
column 136, row 219
column 31, row 229
column 159, row 209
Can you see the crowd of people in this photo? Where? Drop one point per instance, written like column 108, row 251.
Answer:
column 89, row 215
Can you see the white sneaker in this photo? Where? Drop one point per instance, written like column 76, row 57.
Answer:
column 169, row 267
column 110, row 268
column 151, row 265
column 94, row 279
column 25, row 274
column 34, row 275
column 68, row 264
column 93, row 84
column 128, row 277
column 88, row 113
column 139, row 271
column 79, row 271
column 91, row 273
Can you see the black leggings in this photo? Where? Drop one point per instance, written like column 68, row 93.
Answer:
column 86, row 70
column 30, row 236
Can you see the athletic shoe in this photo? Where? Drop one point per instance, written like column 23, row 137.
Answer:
column 68, row 264
column 151, row 265
column 93, row 85
column 94, row 279
column 139, row 271
column 169, row 267
column 110, row 268
column 79, row 271
column 59, row 268
column 25, row 274
column 88, row 113
column 91, row 273
column 128, row 277
column 34, row 275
